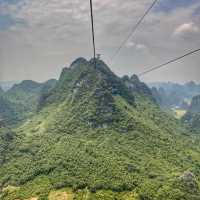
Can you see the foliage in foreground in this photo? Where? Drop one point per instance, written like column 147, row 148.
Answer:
column 148, row 161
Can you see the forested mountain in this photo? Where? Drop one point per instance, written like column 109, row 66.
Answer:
column 175, row 95
column 138, row 87
column 97, row 136
column 9, row 112
column 6, row 85
column 192, row 117
column 21, row 100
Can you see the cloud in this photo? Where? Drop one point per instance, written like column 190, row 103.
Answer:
column 137, row 46
column 130, row 44
column 49, row 34
column 141, row 46
column 186, row 28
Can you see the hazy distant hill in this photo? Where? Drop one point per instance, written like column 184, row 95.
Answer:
column 175, row 95
column 97, row 136
column 6, row 85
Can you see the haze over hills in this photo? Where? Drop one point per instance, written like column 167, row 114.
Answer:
column 94, row 134
column 6, row 85
column 172, row 95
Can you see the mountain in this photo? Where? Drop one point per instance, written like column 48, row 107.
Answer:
column 97, row 136
column 192, row 117
column 7, row 110
column 138, row 87
column 172, row 95
column 6, row 85
column 89, row 93
column 21, row 100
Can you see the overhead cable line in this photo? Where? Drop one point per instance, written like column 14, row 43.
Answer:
column 93, row 33
column 167, row 63
column 133, row 30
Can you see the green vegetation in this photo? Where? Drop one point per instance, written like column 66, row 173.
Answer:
column 21, row 101
column 95, row 138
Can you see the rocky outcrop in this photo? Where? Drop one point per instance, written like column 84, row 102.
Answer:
column 188, row 180
column 138, row 87
column 192, row 117
column 195, row 105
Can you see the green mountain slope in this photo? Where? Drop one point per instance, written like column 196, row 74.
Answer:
column 8, row 111
column 138, row 87
column 93, row 133
column 21, row 101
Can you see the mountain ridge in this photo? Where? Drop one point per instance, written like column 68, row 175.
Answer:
column 93, row 133
column 22, row 99
column 171, row 95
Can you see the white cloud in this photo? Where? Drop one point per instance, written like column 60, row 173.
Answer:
column 137, row 46
column 130, row 44
column 186, row 28
column 141, row 46
column 54, row 32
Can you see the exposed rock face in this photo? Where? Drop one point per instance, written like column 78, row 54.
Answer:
column 188, row 180
column 136, row 86
column 192, row 117
column 195, row 105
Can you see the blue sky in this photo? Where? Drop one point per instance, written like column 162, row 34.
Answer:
column 170, row 5
column 39, row 37
column 163, row 6
column 6, row 21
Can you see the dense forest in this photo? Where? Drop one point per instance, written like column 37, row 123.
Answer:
column 94, row 135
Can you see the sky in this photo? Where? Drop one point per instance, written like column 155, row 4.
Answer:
column 40, row 37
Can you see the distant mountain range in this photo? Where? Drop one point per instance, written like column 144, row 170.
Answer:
column 6, row 85
column 172, row 95
column 167, row 94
